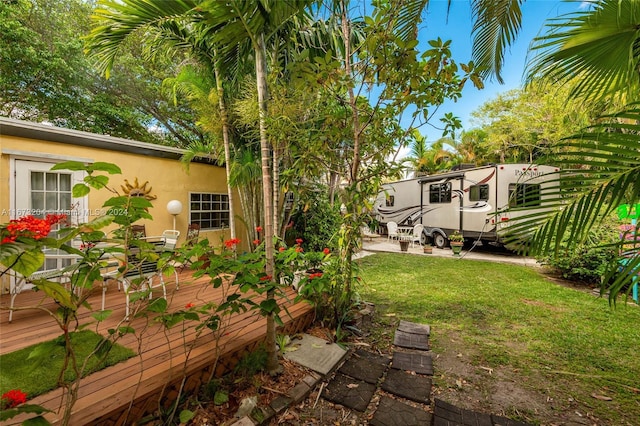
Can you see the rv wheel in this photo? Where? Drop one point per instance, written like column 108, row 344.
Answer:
column 439, row 240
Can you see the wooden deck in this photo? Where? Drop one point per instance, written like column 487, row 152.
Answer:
column 167, row 360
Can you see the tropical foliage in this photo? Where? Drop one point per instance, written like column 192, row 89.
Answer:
column 601, row 164
column 44, row 76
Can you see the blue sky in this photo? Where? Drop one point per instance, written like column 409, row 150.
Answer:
column 458, row 29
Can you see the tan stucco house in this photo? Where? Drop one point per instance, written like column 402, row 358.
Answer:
column 28, row 186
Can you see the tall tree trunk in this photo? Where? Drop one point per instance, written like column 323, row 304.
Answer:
column 355, row 165
column 224, row 117
column 267, row 186
column 276, row 189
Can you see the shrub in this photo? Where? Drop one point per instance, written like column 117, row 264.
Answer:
column 315, row 221
column 587, row 262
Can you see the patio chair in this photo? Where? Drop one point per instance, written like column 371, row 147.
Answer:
column 138, row 276
column 139, row 231
column 26, row 283
column 193, row 233
column 416, row 234
column 167, row 242
column 170, row 242
column 392, row 230
column 367, row 233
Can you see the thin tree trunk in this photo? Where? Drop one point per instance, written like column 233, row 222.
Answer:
column 267, row 186
column 276, row 189
column 355, row 166
column 224, row 117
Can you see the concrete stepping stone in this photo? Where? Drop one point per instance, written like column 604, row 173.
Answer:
column 404, row 339
column 391, row 412
column 414, row 327
column 410, row 386
column 350, row 392
column 503, row 421
column 373, row 357
column 363, row 369
column 418, row 362
column 315, row 353
column 445, row 414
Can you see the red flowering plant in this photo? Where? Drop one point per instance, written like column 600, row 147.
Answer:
column 22, row 252
column 13, row 402
column 246, row 272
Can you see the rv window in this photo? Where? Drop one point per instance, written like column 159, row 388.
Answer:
column 479, row 192
column 524, row 195
column 440, row 193
column 390, row 200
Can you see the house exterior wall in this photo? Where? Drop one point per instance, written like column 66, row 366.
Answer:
column 167, row 177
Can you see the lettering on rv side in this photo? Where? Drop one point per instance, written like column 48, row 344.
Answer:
column 528, row 173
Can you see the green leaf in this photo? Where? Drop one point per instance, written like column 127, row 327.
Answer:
column 269, row 306
column 96, row 182
column 58, row 292
column 36, row 421
column 110, row 168
column 26, row 408
column 116, row 201
column 24, row 263
column 220, row 397
column 191, row 316
column 80, row 190
column 140, row 202
column 126, row 330
column 101, row 315
column 186, row 415
column 101, row 222
column 158, row 305
column 70, row 165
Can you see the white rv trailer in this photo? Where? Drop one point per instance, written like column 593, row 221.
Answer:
column 471, row 200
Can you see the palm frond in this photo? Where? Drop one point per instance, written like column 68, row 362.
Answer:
column 601, row 46
column 496, row 25
column 408, row 18
column 115, row 20
column 600, row 171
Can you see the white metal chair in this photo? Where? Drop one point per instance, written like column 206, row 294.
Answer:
column 416, row 234
column 139, row 276
column 170, row 239
column 392, row 230
column 367, row 233
column 26, row 283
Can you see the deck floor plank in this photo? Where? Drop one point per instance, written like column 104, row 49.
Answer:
column 162, row 359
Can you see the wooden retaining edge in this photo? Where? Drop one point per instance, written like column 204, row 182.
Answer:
column 158, row 386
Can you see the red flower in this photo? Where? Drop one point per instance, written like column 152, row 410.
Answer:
column 326, row 251
column 31, row 227
column 299, row 240
column 13, row 398
column 256, row 242
column 266, row 278
column 299, row 249
column 315, row 275
column 189, row 305
column 259, row 229
column 232, row 243
column 281, row 249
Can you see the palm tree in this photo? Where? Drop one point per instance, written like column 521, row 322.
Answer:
column 602, row 163
column 165, row 23
column 235, row 28
column 253, row 23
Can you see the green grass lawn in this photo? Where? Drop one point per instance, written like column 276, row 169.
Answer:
column 39, row 374
column 513, row 316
